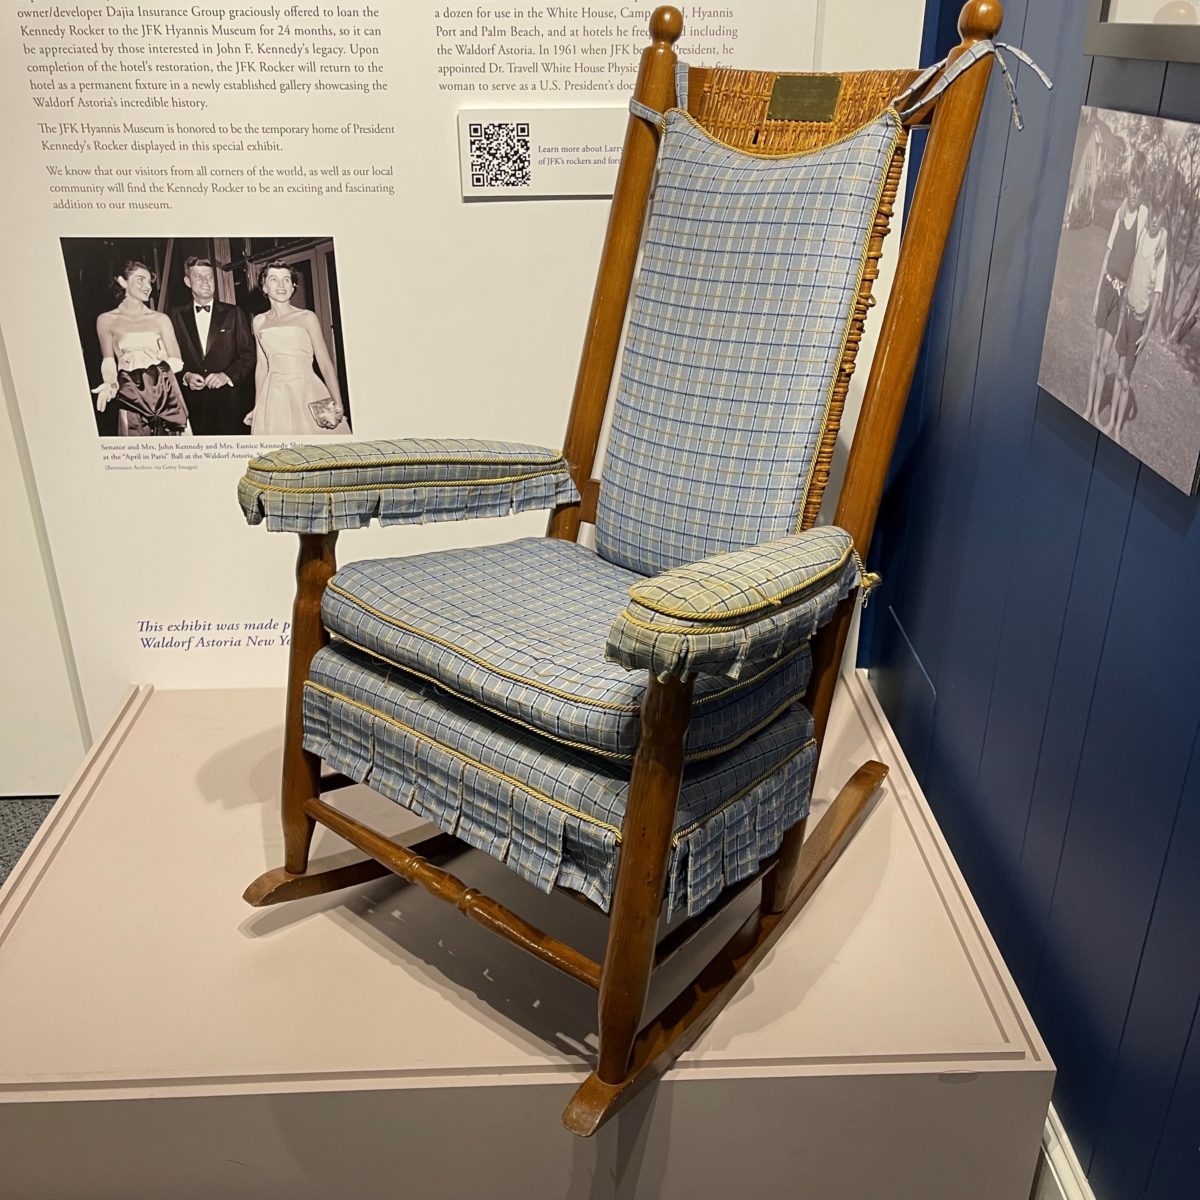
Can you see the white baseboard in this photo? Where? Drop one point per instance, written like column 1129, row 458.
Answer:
column 1060, row 1175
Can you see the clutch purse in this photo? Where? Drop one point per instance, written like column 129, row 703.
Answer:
column 325, row 412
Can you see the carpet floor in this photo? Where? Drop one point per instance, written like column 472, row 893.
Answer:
column 20, row 817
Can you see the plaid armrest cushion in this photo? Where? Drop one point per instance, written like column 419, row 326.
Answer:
column 319, row 489
column 735, row 610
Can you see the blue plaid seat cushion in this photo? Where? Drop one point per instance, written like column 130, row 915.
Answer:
column 750, row 270
column 552, row 814
column 520, row 629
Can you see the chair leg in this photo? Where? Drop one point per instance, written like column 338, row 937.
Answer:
column 780, row 885
column 301, row 781
column 641, row 872
column 315, row 564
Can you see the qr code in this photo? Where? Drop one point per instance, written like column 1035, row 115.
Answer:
column 499, row 153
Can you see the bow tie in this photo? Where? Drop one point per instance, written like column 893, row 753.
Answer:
column 203, row 307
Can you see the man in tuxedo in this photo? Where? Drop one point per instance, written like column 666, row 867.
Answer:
column 218, row 354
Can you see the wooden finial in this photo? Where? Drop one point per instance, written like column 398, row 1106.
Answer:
column 980, row 19
column 666, row 24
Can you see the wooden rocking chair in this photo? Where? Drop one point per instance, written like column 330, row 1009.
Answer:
column 675, row 762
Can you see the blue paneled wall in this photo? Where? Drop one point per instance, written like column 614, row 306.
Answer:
column 1036, row 642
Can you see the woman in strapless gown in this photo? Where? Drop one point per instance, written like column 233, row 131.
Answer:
column 140, row 359
column 289, row 397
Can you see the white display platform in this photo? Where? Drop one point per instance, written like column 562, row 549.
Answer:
column 161, row 1039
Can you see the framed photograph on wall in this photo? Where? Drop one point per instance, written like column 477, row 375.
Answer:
column 1122, row 343
column 1166, row 30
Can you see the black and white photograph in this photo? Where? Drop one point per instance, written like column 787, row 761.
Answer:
column 1122, row 341
column 212, row 337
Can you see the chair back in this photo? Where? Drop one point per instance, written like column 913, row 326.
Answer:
column 755, row 277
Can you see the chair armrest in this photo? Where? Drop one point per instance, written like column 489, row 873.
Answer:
column 319, row 489
column 735, row 610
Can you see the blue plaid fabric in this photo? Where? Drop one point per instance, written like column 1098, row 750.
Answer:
column 736, row 611
column 318, row 489
column 749, row 273
column 520, row 629
column 551, row 813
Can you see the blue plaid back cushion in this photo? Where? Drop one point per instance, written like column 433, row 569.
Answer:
column 749, row 274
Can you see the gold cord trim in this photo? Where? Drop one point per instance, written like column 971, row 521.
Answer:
column 400, row 460
column 384, row 487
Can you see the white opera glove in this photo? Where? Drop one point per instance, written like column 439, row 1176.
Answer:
column 176, row 365
column 108, row 389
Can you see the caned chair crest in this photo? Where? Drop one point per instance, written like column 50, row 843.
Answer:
column 736, row 106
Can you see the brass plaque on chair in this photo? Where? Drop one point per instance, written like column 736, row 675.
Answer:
column 804, row 98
